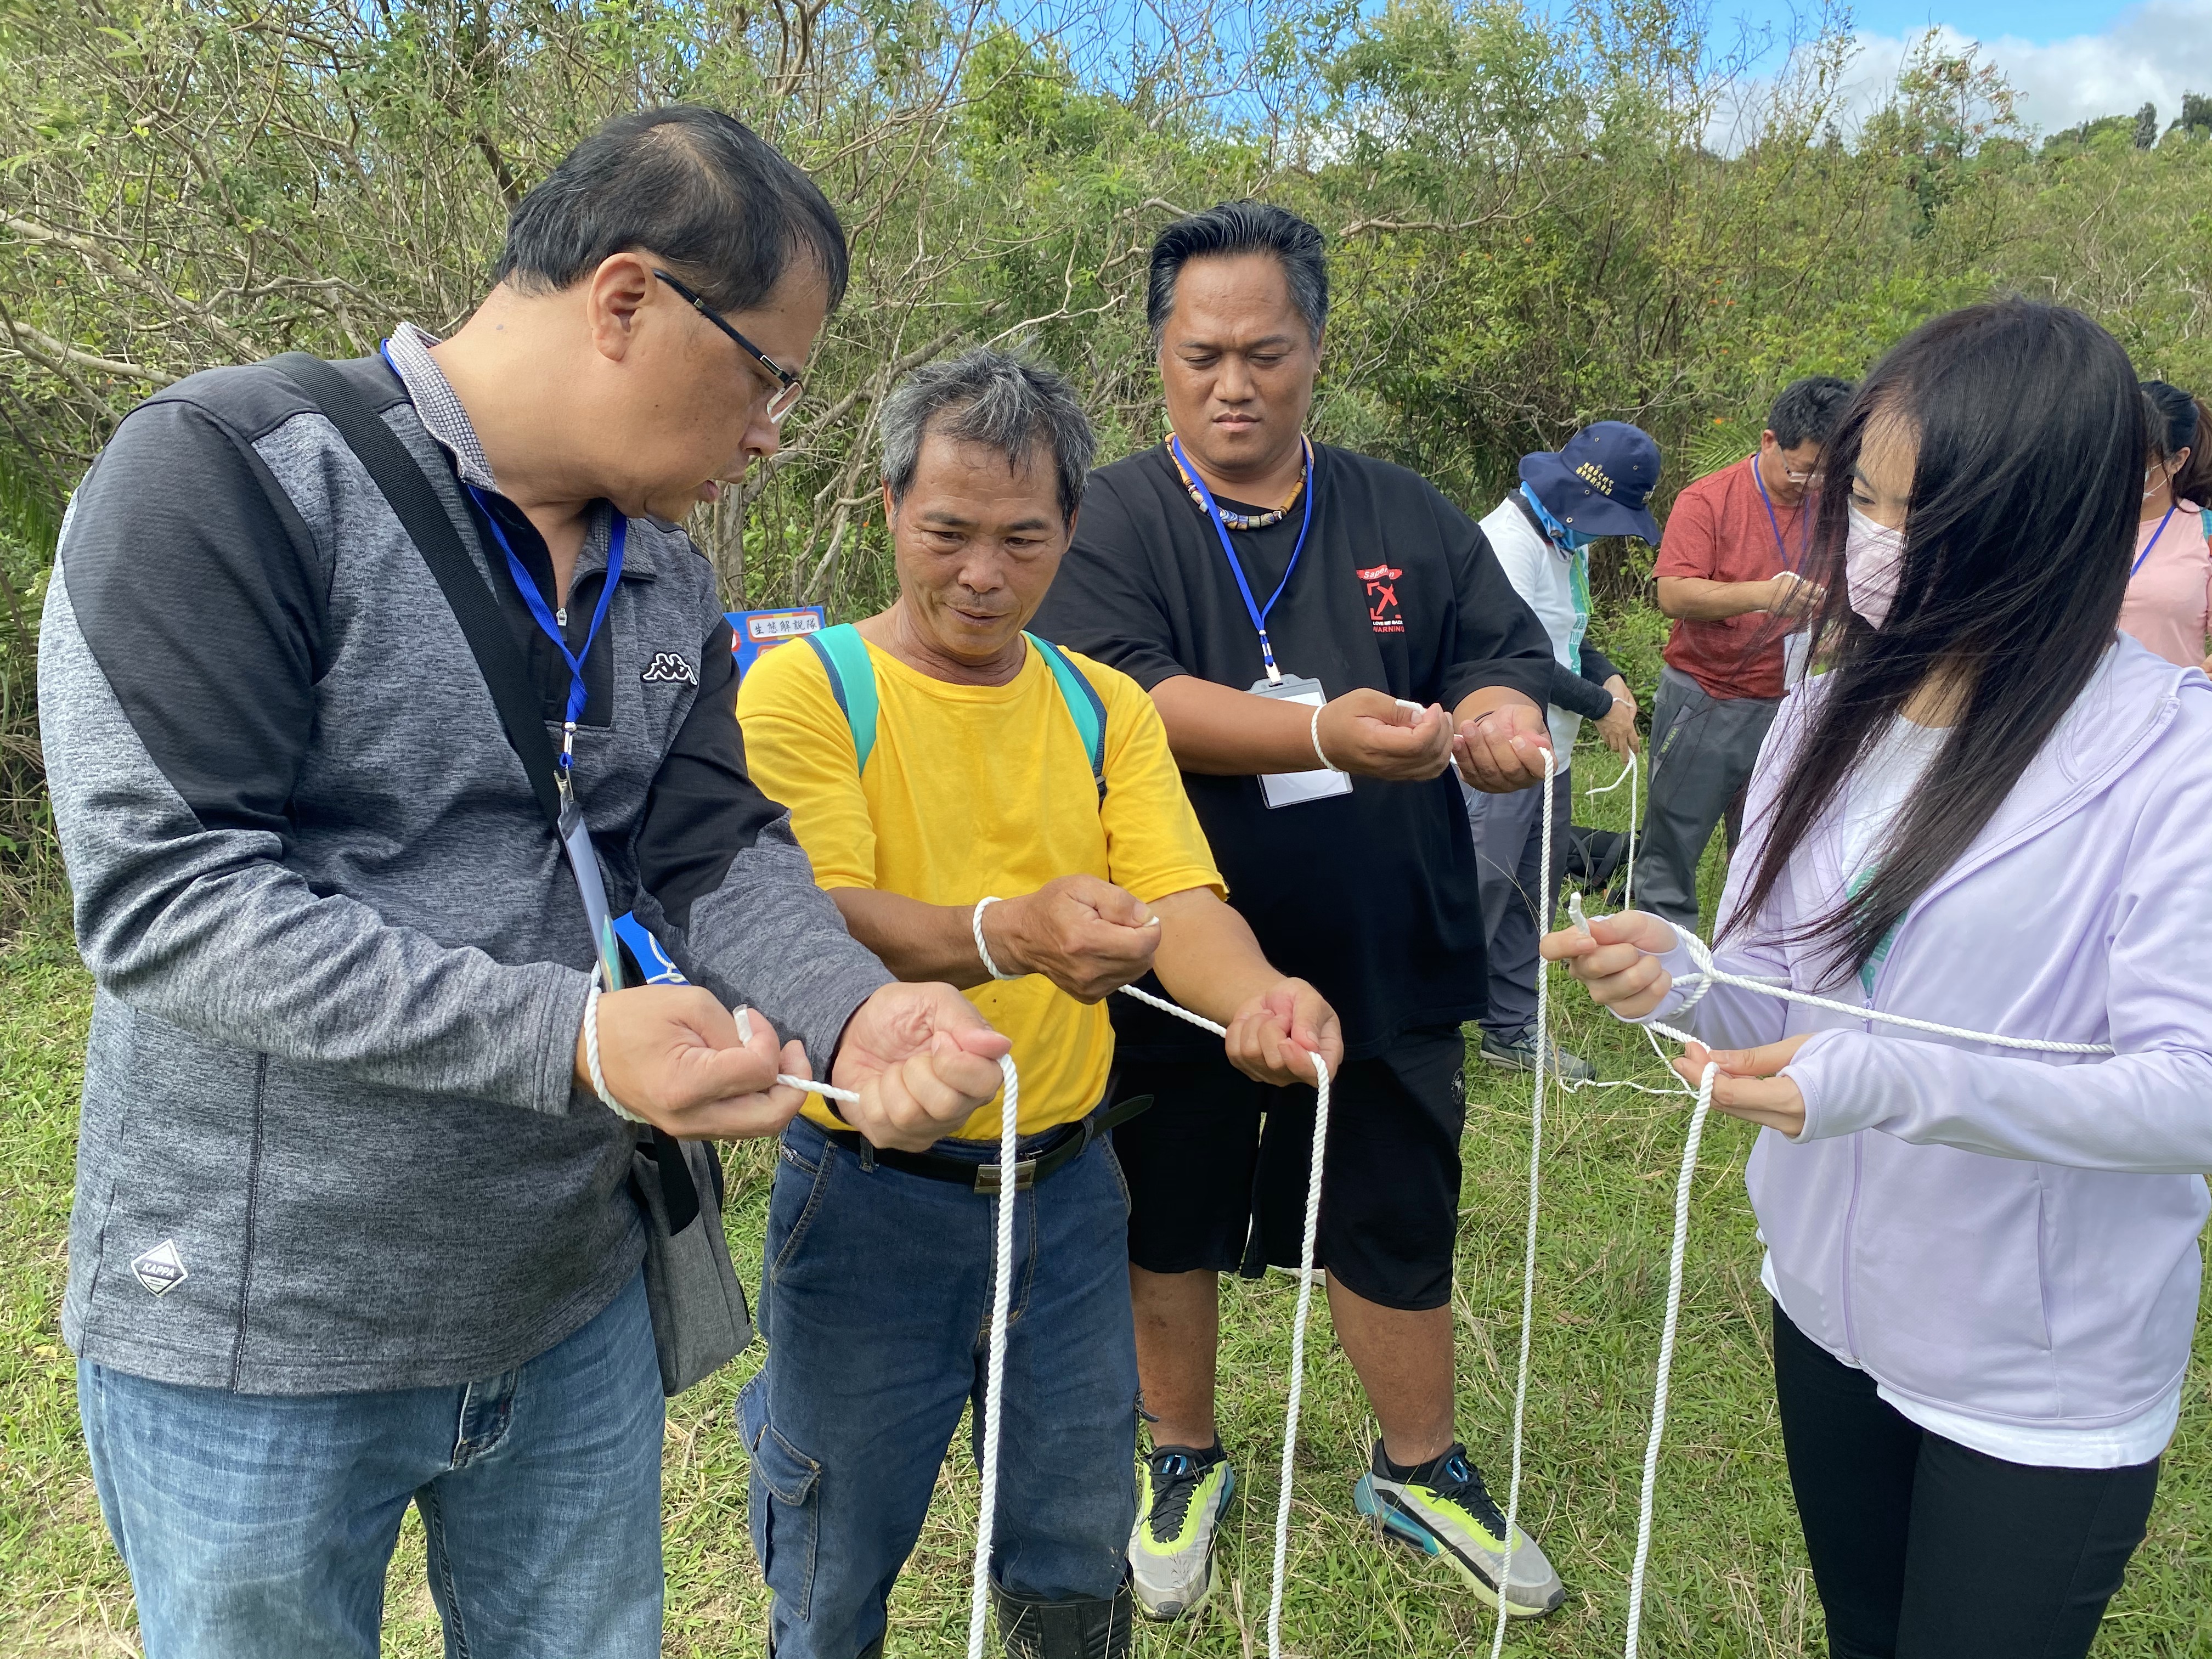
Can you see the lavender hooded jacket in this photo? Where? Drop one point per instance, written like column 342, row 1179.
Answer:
column 2010, row 1236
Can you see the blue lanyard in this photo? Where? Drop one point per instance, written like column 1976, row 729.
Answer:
column 530, row 596
column 551, row 628
column 2149, row 544
column 1774, row 523
column 1253, row 608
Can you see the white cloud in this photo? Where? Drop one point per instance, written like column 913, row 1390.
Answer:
column 2152, row 54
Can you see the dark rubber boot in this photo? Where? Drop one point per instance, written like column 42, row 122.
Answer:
column 1085, row 1628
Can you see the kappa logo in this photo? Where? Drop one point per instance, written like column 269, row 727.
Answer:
column 1381, row 584
column 669, row 668
column 160, row 1269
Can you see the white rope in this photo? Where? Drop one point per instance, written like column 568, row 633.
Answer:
column 806, row 1085
column 994, row 1369
column 1708, row 976
column 1306, row 1254
column 1627, row 776
column 983, row 951
column 592, row 1056
column 1002, row 1287
column 1308, row 1250
column 1529, row 1253
column 1681, row 1245
column 1002, row 1284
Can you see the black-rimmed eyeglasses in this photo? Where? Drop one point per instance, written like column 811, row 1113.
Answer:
column 788, row 385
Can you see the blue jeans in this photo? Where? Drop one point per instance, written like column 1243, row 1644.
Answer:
column 876, row 1302
column 259, row 1526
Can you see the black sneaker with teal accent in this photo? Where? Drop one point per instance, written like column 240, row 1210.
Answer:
column 1181, row 1491
column 1441, row 1508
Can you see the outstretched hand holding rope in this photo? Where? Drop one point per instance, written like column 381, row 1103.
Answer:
column 1617, row 958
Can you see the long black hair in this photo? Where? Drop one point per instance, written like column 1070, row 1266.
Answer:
column 2030, row 432
column 2180, row 422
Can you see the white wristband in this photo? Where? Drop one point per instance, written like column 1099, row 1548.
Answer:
column 983, row 951
column 1314, row 731
column 591, row 1057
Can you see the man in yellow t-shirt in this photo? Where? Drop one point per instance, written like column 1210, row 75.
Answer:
column 988, row 810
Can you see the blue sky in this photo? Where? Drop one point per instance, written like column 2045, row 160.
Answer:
column 2068, row 60
column 2039, row 20
column 2071, row 59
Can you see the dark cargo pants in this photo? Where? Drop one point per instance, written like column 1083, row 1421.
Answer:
column 1703, row 750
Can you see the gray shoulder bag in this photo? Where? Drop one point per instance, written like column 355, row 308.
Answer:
column 700, row 1319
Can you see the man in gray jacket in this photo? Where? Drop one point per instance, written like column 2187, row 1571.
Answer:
column 351, row 1228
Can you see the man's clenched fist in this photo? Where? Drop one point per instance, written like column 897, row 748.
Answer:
column 671, row 1055
column 921, row 1060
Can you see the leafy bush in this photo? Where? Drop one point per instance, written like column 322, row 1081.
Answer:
column 1536, row 221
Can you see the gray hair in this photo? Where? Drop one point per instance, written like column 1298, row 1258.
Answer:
column 995, row 398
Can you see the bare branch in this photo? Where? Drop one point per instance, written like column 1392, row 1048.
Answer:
column 44, row 348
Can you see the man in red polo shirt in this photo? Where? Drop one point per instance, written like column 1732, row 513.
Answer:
column 1728, row 566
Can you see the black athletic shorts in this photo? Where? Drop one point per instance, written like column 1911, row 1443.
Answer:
column 1216, row 1169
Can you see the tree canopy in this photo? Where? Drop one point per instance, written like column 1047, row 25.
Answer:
column 1536, row 221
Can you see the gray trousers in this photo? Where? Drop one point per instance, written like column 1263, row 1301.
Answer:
column 1703, row 750
column 1509, row 842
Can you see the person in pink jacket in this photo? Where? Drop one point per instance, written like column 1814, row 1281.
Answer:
column 2169, row 602
column 1987, row 813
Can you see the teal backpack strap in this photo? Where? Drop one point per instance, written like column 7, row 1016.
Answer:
column 844, row 657
column 2207, row 514
column 1085, row 707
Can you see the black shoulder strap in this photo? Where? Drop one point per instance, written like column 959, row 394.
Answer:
column 424, row 518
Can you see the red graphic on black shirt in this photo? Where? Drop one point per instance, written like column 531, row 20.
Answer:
column 1383, row 597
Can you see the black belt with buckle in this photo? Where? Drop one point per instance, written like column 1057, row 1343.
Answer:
column 1069, row 1145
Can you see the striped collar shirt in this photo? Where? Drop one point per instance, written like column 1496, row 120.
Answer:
column 437, row 404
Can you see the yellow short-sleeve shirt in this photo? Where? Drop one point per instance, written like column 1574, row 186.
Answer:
column 978, row 789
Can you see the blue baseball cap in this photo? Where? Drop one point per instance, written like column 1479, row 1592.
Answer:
column 1597, row 481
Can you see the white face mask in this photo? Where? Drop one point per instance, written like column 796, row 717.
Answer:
column 1873, row 555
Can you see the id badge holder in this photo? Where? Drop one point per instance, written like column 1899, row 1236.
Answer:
column 584, row 864
column 1296, row 788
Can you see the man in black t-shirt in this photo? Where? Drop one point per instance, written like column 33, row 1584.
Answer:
column 1325, row 635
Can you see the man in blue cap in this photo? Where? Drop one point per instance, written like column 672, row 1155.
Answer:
column 1594, row 486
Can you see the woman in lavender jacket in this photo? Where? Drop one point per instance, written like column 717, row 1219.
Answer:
column 1988, row 812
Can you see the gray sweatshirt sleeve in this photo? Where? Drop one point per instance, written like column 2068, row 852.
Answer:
column 725, row 886
column 177, row 666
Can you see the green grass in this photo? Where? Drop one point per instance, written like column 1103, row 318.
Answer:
column 1728, row 1578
